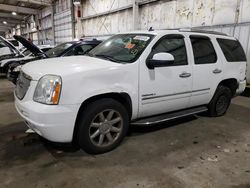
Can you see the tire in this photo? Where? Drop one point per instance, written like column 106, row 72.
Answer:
column 220, row 101
column 98, row 133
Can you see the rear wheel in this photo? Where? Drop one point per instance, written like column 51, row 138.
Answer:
column 220, row 102
column 103, row 125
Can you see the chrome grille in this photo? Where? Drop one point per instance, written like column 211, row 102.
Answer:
column 22, row 85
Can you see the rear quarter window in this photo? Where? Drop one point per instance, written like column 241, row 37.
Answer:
column 232, row 50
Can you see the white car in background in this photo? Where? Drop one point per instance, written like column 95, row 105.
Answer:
column 7, row 49
column 30, row 51
column 137, row 78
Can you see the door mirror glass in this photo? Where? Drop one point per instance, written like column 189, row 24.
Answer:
column 162, row 59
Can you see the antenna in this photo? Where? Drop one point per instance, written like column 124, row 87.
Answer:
column 151, row 29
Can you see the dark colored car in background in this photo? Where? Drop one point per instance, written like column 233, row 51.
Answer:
column 65, row 49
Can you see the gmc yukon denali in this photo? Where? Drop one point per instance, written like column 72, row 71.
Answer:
column 136, row 78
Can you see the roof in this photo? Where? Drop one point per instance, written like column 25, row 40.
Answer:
column 181, row 31
column 44, row 46
column 93, row 41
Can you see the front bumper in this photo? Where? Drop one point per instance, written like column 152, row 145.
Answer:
column 53, row 122
column 241, row 87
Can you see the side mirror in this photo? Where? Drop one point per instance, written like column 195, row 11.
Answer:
column 160, row 60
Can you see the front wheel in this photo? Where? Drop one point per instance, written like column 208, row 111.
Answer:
column 103, row 125
column 220, row 102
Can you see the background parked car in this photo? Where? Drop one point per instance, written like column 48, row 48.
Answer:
column 30, row 52
column 15, row 43
column 65, row 49
column 8, row 50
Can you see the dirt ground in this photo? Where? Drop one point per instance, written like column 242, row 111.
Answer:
column 195, row 152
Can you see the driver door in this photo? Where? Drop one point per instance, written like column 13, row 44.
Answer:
column 167, row 88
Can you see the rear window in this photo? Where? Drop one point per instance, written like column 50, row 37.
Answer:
column 232, row 50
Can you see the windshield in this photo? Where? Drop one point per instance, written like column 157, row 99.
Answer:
column 123, row 48
column 58, row 50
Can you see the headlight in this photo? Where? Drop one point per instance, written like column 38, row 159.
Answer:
column 17, row 69
column 48, row 89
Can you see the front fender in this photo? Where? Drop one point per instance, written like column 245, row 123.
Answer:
column 123, row 79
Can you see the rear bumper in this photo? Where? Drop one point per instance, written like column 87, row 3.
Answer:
column 241, row 87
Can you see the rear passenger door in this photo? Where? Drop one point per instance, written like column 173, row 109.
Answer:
column 207, row 69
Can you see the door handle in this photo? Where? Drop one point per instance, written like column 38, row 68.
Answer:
column 217, row 71
column 185, row 75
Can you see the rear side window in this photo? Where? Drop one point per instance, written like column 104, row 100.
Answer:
column 203, row 50
column 232, row 50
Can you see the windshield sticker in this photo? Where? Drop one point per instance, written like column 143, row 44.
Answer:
column 134, row 52
column 143, row 38
column 130, row 46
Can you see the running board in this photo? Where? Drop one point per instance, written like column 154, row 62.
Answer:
column 169, row 116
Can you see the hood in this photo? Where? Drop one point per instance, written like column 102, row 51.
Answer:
column 10, row 45
column 29, row 45
column 66, row 66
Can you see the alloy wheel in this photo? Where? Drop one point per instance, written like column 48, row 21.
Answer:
column 105, row 128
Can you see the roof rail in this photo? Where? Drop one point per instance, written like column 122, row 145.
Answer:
column 202, row 31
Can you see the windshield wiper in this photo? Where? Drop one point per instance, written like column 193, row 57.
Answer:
column 107, row 57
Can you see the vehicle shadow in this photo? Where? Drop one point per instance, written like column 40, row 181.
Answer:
column 246, row 93
column 16, row 145
column 2, row 76
column 141, row 130
column 138, row 131
column 18, row 148
column 60, row 149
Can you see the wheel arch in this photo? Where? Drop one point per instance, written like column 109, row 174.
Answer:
column 231, row 83
column 123, row 98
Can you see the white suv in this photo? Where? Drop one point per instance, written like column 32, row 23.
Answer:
column 136, row 78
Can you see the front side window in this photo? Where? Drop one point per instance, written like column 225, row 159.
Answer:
column 203, row 50
column 173, row 44
column 232, row 50
column 122, row 48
